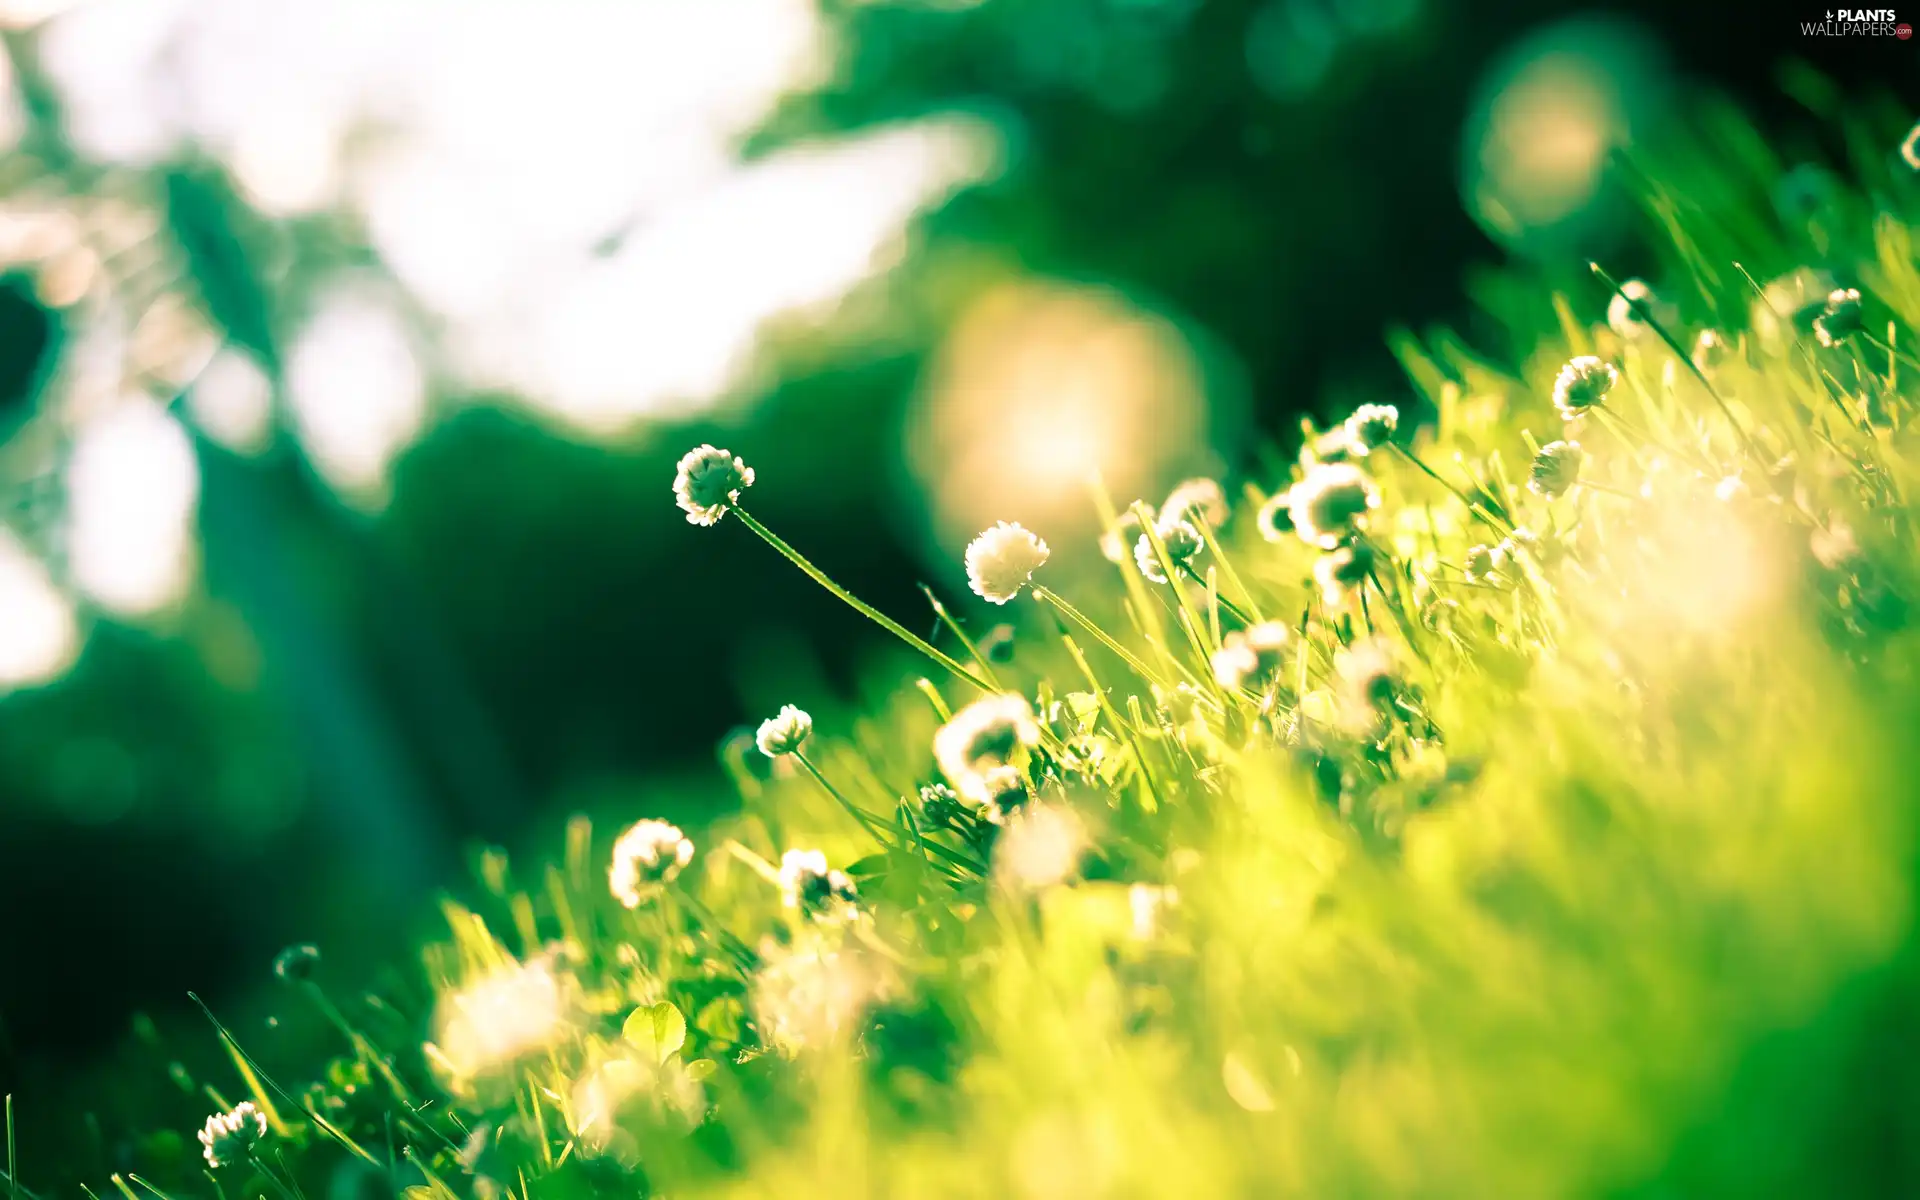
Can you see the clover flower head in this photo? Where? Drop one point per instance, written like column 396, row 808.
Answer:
column 707, row 481
column 942, row 809
column 511, row 1013
column 1330, row 502
column 816, row 890
column 1006, row 793
column 1583, row 383
column 1522, row 541
column 784, row 732
column 1333, row 446
column 1180, row 538
column 647, row 857
column 230, row 1136
column 1250, row 658
column 1040, row 847
column 1372, row 426
column 1002, row 560
column 1841, row 318
column 994, row 731
column 1556, row 468
column 1709, row 351
column 1366, row 674
column 1198, row 499
column 1910, row 148
column 1791, row 303
column 813, row 993
column 1116, row 544
column 1275, row 518
column 1483, row 563
column 296, row 964
column 1625, row 309
column 1341, row 570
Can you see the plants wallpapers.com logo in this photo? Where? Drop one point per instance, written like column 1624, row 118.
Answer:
column 1858, row 22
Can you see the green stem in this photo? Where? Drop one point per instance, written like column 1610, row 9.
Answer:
column 1079, row 618
column 1474, row 505
column 1232, row 609
column 860, row 606
column 1645, row 313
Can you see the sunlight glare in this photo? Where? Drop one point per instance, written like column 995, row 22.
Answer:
column 132, row 486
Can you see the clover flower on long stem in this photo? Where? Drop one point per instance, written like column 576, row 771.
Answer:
column 1372, row 426
column 820, row 577
column 1556, row 468
column 1709, row 351
column 1841, row 318
column 1182, row 541
column 1582, row 384
column 1342, row 570
column 784, row 732
column 1250, row 658
column 708, row 480
column 1627, row 311
column 647, row 857
column 1275, row 518
column 815, row 889
column 1198, row 499
column 1116, row 544
column 993, row 732
column 230, row 1136
column 1002, row 560
column 1328, row 504
column 1483, row 563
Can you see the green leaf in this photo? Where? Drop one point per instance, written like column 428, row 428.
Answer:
column 656, row 1030
column 700, row 1068
column 868, row 867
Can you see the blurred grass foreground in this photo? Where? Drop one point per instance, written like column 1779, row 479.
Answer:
column 1509, row 794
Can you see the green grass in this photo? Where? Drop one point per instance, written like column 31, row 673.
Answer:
column 1576, row 861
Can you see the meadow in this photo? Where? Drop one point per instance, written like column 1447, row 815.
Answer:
column 1509, row 794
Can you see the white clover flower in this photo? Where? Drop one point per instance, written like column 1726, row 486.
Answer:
column 816, row 890
column 1791, row 303
column 811, row 995
column 1483, row 563
column 1366, row 674
column 1371, row 426
column 1275, row 518
column 1330, row 501
column 707, row 481
column 510, row 1014
column 1709, row 351
column 1841, row 318
column 231, row 1136
column 1040, row 846
column 624, row 1086
column 992, row 732
column 1341, row 570
column 646, row 858
column 1583, row 383
column 1005, row 789
column 1910, row 148
column 784, row 732
column 1180, row 538
column 1556, row 468
column 1625, row 318
column 1195, row 499
column 1250, row 658
column 1002, row 560
column 1117, row 543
